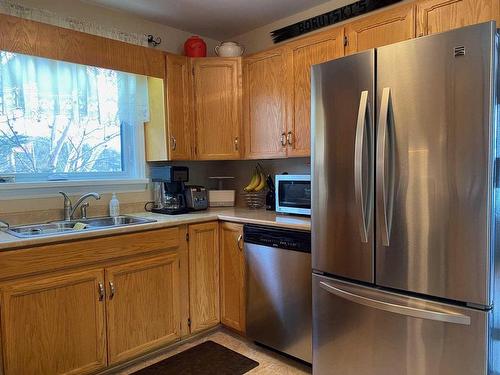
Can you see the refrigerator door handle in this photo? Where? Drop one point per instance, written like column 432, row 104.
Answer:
column 363, row 207
column 454, row 318
column 384, row 203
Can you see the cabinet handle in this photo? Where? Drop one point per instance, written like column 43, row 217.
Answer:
column 100, row 287
column 283, row 139
column 174, row 143
column 111, row 290
column 289, row 138
column 240, row 244
column 236, row 143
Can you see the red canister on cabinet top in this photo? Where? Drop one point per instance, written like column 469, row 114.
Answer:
column 195, row 47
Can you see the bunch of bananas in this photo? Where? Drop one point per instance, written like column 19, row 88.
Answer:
column 257, row 183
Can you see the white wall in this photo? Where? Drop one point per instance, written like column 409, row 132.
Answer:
column 172, row 39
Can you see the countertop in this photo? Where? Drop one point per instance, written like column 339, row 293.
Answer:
column 236, row 215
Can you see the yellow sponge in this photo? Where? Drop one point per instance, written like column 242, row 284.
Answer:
column 79, row 226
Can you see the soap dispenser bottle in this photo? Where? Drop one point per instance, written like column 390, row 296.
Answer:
column 114, row 206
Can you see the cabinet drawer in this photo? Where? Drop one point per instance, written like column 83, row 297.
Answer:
column 52, row 257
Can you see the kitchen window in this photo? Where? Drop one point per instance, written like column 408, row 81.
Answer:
column 63, row 121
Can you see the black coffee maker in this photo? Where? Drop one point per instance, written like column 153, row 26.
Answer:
column 168, row 183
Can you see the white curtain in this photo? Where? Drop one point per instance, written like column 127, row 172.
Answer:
column 59, row 117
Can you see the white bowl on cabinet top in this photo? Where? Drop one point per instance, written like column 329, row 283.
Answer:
column 229, row 49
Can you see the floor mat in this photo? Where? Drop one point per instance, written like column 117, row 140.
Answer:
column 207, row 358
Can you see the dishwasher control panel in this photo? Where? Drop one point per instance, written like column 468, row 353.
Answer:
column 277, row 237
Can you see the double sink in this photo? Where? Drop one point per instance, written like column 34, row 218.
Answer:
column 73, row 226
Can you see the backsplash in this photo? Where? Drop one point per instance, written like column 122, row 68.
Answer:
column 35, row 210
column 241, row 170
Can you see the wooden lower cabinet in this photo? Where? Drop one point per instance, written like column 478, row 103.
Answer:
column 232, row 278
column 204, row 294
column 54, row 325
column 80, row 322
column 143, row 306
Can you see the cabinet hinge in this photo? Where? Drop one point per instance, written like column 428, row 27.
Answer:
column 346, row 41
column 189, row 322
column 192, row 71
column 187, row 236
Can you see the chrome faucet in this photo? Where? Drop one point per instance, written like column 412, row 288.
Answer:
column 4, row 225
column 69, row 208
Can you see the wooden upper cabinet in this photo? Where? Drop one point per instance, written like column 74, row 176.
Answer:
column 267, row 103
column 232, row 277
column 134, row 59
column 204, row 304
column 434, row 16
column 178, row 89
column 143, row 306
column 54, row 325
column 386, row 27
column 307, row 52
column 217, row 107
column 58, row 43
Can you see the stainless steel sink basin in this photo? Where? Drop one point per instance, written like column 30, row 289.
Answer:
column 35, row 230
column 60, row 227
column 115, row 221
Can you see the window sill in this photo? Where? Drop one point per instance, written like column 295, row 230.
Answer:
column 48, row 189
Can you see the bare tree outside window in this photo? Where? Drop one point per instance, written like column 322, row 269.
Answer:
column 60, row 118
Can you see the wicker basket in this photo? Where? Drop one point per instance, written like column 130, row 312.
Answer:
column 255, row 199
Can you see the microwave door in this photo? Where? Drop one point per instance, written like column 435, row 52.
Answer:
column 342, row 105
column 293, row 194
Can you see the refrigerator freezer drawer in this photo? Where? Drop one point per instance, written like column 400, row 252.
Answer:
column 364, row 331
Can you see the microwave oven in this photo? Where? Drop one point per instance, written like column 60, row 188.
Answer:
column 293, row 194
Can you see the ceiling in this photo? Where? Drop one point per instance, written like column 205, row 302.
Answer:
column 217, row 19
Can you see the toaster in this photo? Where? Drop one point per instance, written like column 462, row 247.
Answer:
column 196, row 197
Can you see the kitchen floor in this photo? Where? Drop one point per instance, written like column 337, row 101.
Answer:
column 269, row 362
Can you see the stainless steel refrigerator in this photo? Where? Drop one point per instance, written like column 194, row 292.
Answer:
column 403, row 208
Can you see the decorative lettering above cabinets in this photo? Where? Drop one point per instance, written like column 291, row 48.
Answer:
column 329, row 18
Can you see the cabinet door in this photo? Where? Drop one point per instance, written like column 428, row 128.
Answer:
column 54, row 325
column 435, row 16
column 217, row 106
column 142, row 306
column 204, row 276
column 232, row 285
column 267, row 103
column 387, row 27
column 179, row 107
column 307, row 52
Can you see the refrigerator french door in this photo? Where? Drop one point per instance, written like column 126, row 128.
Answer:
column 402, row 208
column 434, row 164
column 342, row 114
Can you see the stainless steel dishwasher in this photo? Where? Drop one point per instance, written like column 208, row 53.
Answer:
column 279, row 289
